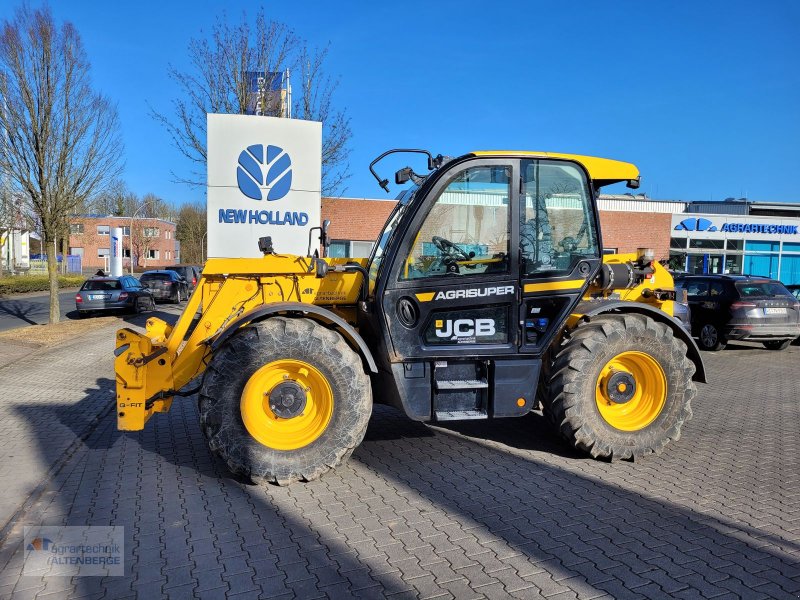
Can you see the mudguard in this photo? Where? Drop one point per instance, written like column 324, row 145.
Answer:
column 313, row 311
column 591, row 308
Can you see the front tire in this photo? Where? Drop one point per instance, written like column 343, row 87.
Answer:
column 285, row 359
column 711, row 338
column 621, row 387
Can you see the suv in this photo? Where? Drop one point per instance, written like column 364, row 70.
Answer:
column 741, row 307
column 191, row 273
column 166, row 285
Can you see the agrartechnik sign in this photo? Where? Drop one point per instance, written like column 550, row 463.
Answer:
column 264, row 178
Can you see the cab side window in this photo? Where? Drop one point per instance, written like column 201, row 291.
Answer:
column 717, row 289
column 556, row 221
column 466, row 231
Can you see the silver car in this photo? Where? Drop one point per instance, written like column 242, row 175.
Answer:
column 113, row 293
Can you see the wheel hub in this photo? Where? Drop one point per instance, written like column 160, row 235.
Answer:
column 287, row 400
column 621, row 387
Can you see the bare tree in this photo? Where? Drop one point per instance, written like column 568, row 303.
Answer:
column 61, row 143
column 315, row 103
column 191, row 232
column 219, row 81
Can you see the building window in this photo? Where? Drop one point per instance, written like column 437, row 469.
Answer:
column 735, row 245
column 151, row 232
column 677, row 243
column 103, row 252
column 126, row 230
column 126, row 252
column 733, row 264
column 168, row 234
column 609, row 250
column 152, row 254
column 350, row 249
column 759, row 246
column 361, row 249
column 707, row 244
column 76, row 251
column 103, row 230
column 339, row 249
column 76, row 228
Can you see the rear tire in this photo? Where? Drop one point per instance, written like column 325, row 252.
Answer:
column 247, row 356
column 662, row 388
column 777, row 344
column 711, row 338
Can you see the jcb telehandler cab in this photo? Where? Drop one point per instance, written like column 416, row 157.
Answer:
column 486, row 292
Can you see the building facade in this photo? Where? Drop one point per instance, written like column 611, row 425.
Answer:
column 154, row 243
column 738, row 237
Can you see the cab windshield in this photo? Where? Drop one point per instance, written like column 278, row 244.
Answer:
column 403, row 200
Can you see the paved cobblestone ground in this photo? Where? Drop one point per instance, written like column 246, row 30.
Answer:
column 475, row 510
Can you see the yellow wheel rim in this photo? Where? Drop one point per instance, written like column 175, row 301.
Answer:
column 631, row 391
column 286, row 433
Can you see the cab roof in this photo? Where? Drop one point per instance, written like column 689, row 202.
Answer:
column 602, row 171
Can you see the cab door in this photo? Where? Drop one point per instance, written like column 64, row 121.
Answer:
column 452, row 288
column 450, row 300
column 559, row 246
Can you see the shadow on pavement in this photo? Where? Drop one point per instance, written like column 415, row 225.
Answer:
column 20, row 310
column 191, row 528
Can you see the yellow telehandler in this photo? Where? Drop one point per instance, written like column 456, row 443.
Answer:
column 486, row 295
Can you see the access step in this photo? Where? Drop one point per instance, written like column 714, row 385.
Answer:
column 462, row 384
column 460, row 415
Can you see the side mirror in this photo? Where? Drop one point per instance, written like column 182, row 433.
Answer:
column 402, row 176
column 323, row 238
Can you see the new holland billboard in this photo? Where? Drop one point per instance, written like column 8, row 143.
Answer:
column 264, row 178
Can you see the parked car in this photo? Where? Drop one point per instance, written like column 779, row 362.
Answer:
column 741, row 307
column 166, row 285
column 191, row 273
column 113, row 293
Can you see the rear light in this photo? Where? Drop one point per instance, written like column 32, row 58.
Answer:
column 78, row 298
column 123, row 296
column 736, row 305
column 194, row 280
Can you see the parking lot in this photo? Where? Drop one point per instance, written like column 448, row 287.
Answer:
column 480, row 509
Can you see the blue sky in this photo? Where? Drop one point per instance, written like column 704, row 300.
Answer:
column 703, row 96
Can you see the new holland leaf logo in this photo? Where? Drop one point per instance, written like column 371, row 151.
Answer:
column 258, row 170
column 698, row 224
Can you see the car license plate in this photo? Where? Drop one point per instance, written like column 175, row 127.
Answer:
column 774, row 311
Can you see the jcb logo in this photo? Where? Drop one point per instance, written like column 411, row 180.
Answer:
column 464, row 328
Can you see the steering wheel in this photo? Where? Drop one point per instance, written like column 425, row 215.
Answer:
column 449, row 249
column 569, row 244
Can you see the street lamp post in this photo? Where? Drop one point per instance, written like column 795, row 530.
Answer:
column 130, row 233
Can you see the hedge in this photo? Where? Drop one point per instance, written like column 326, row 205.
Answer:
column 36, row 283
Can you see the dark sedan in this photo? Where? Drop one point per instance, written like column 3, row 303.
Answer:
column 113, row 293
column 166, row 285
